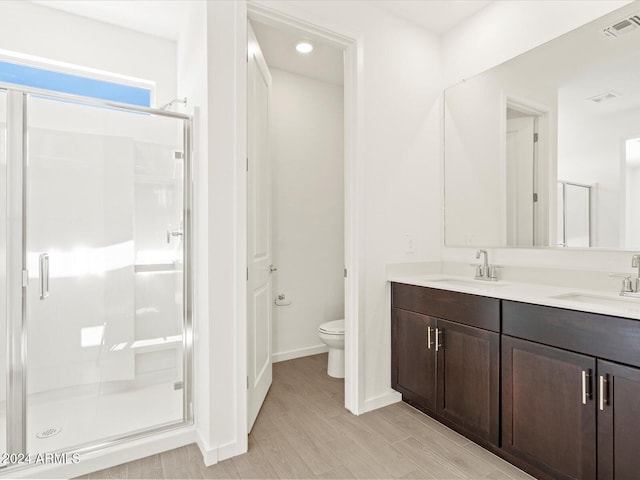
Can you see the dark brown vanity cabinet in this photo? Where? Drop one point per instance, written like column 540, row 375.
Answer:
column 571, row 414
column 548, row 409
column 442, row 362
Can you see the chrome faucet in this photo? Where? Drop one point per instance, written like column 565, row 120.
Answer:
column 635, row 263
column 485, row 271
column 630, row 288
column 484, row 268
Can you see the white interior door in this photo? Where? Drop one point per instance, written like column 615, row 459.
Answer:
column 259, row 252
column 520, row 181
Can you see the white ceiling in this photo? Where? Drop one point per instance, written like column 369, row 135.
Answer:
column 325, row 63
column 438, row 16
column 163, row 17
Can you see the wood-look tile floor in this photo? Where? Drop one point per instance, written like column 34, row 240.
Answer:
column 304, row 431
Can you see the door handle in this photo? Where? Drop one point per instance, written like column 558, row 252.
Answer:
column 44, row 276
column 272, row 268
column 429, row 343
column 173, row 233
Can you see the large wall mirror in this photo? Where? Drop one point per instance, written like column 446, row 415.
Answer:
column 544, row 150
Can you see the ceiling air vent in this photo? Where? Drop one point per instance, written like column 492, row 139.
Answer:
column 624, row 26
column 604, row 97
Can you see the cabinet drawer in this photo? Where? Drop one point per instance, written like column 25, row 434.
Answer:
column 473, row 310
column 603, row 336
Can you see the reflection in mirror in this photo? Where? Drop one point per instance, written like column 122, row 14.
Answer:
column 574, row 215
column 526, row 221
column 544, row 149
column 632, row 190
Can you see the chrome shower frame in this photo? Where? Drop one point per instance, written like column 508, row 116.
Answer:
column 17, row 282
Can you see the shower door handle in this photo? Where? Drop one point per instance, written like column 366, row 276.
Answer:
column 44, row 275
column 173, row 233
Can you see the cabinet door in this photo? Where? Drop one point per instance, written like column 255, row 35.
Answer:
column 468, row 378
column 548, row 410
column 413, row 367
column 618, row 421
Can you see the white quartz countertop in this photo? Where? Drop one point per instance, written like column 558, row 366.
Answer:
column 593, row 301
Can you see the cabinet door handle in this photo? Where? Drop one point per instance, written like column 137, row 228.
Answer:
column 586, row 388
column 603, row 386
column 429, row 338
column 438, row 338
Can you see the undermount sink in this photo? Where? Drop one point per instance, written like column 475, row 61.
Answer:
column 466, row 283
column 621, row 303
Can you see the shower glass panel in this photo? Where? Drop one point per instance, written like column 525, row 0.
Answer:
column 105, row 250
column 3, row 268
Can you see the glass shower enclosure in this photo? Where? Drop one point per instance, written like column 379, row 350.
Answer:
column 94, row 272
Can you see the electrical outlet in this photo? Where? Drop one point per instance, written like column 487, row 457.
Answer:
column 409, row 243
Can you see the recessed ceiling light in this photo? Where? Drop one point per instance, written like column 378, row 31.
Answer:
column 304, row 47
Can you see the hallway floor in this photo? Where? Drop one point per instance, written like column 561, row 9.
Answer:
column 303, row 431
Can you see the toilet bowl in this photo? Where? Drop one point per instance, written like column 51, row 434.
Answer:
column 332, row 334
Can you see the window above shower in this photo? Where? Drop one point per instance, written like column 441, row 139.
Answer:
column 36, row 73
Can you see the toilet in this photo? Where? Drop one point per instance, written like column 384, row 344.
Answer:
column 332, row 334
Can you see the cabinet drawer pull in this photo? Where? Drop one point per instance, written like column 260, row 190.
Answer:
column 429, row 338
column 438, row 339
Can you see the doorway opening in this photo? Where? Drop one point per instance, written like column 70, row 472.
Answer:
column 301, row 235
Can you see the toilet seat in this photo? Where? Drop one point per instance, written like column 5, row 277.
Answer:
column 336, row 327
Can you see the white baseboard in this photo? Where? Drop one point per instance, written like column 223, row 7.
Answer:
column 228, row 450
column 299, row 352
column 213, row 455
column 109, row 457
column 209, row 454
column 382, row 401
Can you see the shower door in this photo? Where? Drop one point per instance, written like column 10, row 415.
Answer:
column 3, row 266
column 105, row 234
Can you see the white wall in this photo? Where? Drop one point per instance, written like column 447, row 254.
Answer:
column 225, row 373
column 212, row 74
column 45, row 32
column 497, row 33
column 192, row 79
column 306, row 131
